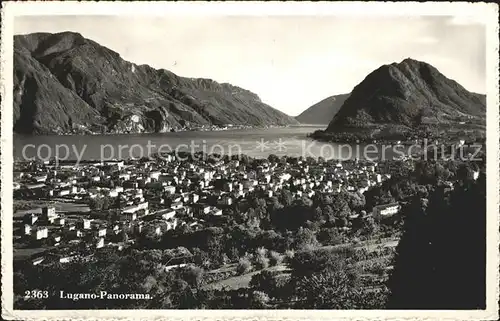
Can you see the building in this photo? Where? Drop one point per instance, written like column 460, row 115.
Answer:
column 41, row 233
column 225, row 200
column 228, row 187
column 204, row 209
column 30, row 218
column 40, row 179
column 171, row 224
column 60, row 221
column 135, row 208
column 101, row 231
column 100, row 243
column 154, row 175
column 169, row 189
column 35, row 186
column 64, row 192
column 86, row 224
column 37, row 260
column 49, row 213
column 217, row 212
column 130, row 216
column 177, row 205
column 194, row 198
column 386, row 210
column 166, row 214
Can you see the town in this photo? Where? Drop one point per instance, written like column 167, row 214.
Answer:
column 154, row 195
column 222, row 226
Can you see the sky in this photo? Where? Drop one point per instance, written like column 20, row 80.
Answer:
column 291, row 62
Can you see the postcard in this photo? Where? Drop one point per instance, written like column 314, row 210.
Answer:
column 243, row 160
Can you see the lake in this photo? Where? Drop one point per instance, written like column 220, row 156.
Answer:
column 291, row 141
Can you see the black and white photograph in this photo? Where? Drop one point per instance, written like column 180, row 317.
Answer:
column 280, row 160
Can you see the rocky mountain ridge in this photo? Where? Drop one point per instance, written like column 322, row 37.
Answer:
column 65, row 83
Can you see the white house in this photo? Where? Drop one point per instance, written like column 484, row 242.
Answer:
column 41, row 233
column 386, row 210
column 217, row 212
column 100, row 243
column 169, row 189
column 167, row 213
column 101, row 231
column 194, row 198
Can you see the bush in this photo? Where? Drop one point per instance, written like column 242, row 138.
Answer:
column 261, row 262
column 262, row 281
column 193, row 275
column 258, row 300
column 275, row 258
column 269, row 282
column 244, row 266
column 378, row 269
column 261, row 251
column 330, row 236
column 289, row 255
column 305, row 240
column 361, row 254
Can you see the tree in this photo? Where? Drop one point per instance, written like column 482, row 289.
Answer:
column 96, row 203
column 275, row 258
column 268, row 282
column 193, row 275
column 214, row 244
column 106, row 202
column 261, row 262
column 201, row 258
column 329, row 236
column 124, row 236
column 273, row 158
column 340, row 207
column 328, row 213
column 318, row 214
column 323, row 279
column 305, row 239
column 356, row 201
column 327, row 290
column 258, row 300
column 286, row 198
column 244, row 266
column 440, row 259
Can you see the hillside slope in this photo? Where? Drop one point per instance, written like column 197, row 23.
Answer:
column 323, row 111
column 408, row 94
column 64, row 83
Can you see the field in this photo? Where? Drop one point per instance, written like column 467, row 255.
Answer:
column 22, row 207
column 25, row 253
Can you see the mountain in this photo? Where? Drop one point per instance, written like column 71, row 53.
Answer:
column 65, row 83
column 407, row 94
column 322, row 112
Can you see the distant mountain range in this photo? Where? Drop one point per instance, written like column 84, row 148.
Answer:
column 407, row 94
column 65, row 83
column 323, row 111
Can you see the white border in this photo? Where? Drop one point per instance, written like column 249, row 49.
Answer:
column 485, row 12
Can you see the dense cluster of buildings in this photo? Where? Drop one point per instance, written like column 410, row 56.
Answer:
column 152, row 196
